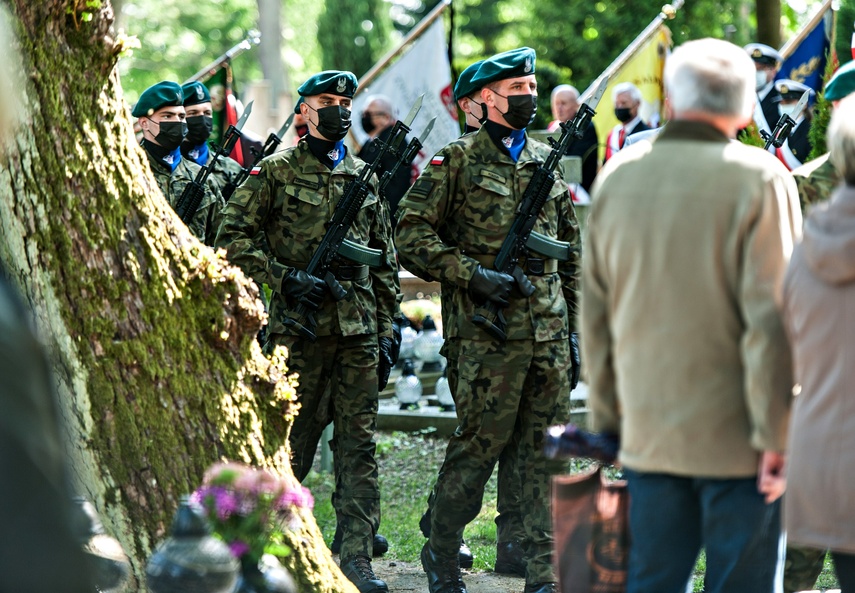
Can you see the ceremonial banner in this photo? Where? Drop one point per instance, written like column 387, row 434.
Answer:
column 224, row 106
column 805, row 56
column 424, row 69
column 644, row 69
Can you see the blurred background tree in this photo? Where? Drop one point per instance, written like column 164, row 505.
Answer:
column 575, row 42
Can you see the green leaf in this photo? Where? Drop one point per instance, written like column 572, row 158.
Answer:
column 280, row 550
column 86, row 17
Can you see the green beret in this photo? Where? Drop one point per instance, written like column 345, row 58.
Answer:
column 334, row 82
column 162, row 94
column 842, row 83
column 195, row 93
column 510, row 64
column 297, row 106
column 464, row 87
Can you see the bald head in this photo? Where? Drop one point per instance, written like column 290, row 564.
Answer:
column 565, row 102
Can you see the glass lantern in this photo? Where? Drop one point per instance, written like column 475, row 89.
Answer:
column 408, row 342
column 408, row 387
column 443, row 393
column 428, row 344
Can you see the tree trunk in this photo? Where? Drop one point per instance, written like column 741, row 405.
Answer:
column 769, row 22
column 152, row 333
column 270, row 48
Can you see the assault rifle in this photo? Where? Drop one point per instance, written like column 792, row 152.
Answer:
column 333, row 244
column 270, row 145
column 192, row 195
column 490, row 318
column 405, row 157
column 784, row 126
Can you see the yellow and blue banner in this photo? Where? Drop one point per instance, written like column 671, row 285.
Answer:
column 805, row 57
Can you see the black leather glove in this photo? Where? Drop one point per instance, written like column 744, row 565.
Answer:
column 307, row 289
column 385, row 364
column 397, row 324
column 490, row 285
column 576, row 359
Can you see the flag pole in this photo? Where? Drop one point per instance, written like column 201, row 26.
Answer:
column 668, row 12
column 412, row 35
column 791, row 45
column 253, row 37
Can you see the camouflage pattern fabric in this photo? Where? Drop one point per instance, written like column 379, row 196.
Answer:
column 816, row 180
column 509, row 524
column 338, row 383
column 291, row 199
column 225, row 171
column 454, row 217
column 801, row 568
column 205, row 222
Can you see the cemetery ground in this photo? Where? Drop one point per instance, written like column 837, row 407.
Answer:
column 408, row 463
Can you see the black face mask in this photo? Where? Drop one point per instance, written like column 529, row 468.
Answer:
column 367, row 123
column 333, row 121
column 521, row 110
column 199, row 129
column 171, row 134
column 623, row 114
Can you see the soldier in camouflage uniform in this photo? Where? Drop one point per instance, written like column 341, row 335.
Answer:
column 200, row 122
column 510, row 532
column 453, row 221
column 816, row 180
column 291, row 196
column 161, row 117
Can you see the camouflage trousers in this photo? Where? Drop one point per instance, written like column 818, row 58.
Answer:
column 509, row 525
column 338, row 383
column 506, row 393
column 801, row 568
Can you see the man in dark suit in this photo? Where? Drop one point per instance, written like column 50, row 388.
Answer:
column 627, row 100
column 565, row 104
column 797, row 147
column 766, row 62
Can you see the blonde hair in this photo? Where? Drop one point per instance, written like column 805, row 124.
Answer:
column 841, row 139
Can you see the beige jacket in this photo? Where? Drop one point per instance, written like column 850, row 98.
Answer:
column 686, row 354
column 819, row 313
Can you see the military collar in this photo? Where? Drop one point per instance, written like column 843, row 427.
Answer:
column 309, row 164
column 488, row 150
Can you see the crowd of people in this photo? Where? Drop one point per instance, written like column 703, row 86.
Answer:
column 714, row 322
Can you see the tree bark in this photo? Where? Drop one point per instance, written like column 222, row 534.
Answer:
column 769, row 22
column 270, row 48
column 151, row 333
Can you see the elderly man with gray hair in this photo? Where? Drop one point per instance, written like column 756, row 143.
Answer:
column 564, row 101
column 688, row 362
column 627, row 100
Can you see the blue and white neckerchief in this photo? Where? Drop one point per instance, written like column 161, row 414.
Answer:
column 199, row 154
column 514, row 142
column 336, row 155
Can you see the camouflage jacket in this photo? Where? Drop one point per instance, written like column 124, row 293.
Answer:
column 205, row 222
column 458, row 214
column 291, row 197
column 816, row 180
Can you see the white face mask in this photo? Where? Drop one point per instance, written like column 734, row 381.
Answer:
column 788, row 110
column 761, row 79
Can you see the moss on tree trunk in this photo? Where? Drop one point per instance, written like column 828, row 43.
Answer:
column 151, row 332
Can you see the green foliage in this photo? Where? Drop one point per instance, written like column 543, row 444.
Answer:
column 178, row 38
column 353, row 35
column 843, row 30
column 821, row 117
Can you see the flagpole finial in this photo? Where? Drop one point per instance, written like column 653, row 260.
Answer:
column 669, row 11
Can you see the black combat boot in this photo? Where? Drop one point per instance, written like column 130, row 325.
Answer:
column 466, row 557
column 510, row 559
column 443, row 572
column 358, row 570
column 540, row 588
column 379, row 546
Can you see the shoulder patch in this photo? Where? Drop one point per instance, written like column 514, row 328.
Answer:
column 422, row 189
column 437, row 160
column 255, row 170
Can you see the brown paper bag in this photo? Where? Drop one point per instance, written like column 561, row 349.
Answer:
column 591, row 530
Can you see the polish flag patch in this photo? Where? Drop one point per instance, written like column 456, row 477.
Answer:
column 255, row 170
column 437, row 160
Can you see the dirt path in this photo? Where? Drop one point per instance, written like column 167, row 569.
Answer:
column 405, row 577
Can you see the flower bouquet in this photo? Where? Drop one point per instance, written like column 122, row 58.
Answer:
column 249, row 509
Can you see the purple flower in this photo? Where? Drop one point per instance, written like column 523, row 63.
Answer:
column 238, row 548
column 299, row 497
